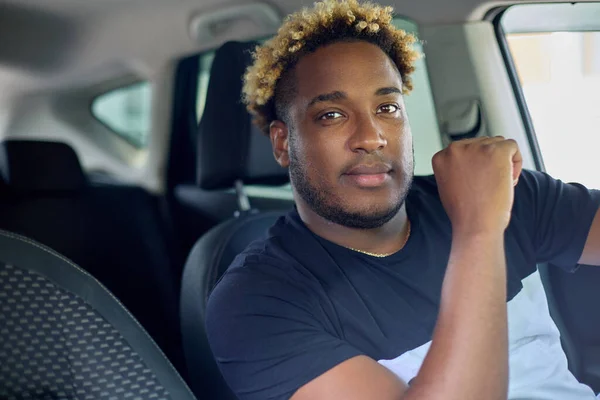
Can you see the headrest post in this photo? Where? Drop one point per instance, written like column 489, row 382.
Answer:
column 242, row 197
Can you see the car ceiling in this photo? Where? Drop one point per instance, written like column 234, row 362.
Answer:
column 61, row 44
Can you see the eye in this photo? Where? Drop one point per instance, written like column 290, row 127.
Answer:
column 388, row 109
column 331, row 115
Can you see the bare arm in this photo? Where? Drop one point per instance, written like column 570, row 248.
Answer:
column 468, row 357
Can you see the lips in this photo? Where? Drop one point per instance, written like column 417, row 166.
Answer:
column 364, row 169
column 368, row 176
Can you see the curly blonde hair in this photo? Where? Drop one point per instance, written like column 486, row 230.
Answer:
column 304, row 32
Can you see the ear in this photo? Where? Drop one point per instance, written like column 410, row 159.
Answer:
column 279, row 134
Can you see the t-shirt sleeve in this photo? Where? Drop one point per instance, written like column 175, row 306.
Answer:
column 268, row 336
column 558, row 216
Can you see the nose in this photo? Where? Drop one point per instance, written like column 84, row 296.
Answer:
column 367, row 137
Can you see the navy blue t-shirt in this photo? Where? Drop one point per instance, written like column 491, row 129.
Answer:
column 294, row 305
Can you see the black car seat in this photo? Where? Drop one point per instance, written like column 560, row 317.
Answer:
column 228, row 148
column 65, row 336
column 115, row 232
column 232, row 153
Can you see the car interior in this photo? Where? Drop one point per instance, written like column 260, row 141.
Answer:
column 131, row 174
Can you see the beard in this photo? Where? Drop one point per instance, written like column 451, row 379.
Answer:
column 327, row 204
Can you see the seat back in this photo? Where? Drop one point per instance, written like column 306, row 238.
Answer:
column 64, row 335
column 113, row 232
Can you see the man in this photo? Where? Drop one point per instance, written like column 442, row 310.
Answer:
column 378, row 285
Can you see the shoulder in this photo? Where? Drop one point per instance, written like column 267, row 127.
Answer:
column 277, row 251
column 537, row 190
column 267, row 319
column 256, row 288
column 267, row 268
column 532, row 182
column 262, row 293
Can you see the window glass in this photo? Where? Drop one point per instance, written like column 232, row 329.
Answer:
column 126, row 112
column 204, row 64
column 421, row 110
column 559, row 72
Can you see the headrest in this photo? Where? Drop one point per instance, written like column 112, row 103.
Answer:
column 230, row 147
column 37, row 166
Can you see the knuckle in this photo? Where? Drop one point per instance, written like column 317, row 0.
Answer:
column 454, row 146
column 438, row 159
column 488, row 147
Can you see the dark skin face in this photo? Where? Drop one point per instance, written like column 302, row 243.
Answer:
column 348, row 146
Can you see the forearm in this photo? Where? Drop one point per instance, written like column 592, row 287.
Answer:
column 468, row 357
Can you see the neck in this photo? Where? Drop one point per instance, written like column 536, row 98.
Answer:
column 387, row 239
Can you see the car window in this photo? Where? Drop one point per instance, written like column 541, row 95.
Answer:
column 419, row 104
column 204, row 63
column 126, row 112
column 555, row 49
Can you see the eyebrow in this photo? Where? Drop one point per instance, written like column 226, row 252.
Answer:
column 333, row 96
column 387, row 90
column 337, row 95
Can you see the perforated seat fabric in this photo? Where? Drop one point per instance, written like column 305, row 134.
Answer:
column 64, row 336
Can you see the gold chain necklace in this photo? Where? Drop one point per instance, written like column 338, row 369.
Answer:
column 379, row 255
